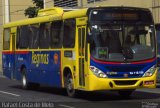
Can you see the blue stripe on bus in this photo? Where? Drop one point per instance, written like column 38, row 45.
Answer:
column 42, row 67
column 133, row 70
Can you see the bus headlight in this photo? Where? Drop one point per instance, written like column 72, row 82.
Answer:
column 150, row 72
column 98, row 72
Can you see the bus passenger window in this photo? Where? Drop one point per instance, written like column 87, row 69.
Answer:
column 44, row 36
column 69, row 33
column 17, row 37
column 6, row 41
column 34, row 36
column 23, row 37
column 56, row 37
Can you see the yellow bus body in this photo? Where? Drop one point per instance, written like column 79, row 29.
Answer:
column 91, row 81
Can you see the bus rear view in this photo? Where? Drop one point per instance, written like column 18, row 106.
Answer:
column 122, row 49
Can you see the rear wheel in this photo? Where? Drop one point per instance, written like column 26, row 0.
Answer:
column 125, row 93
column 25, row 83
column 69, row 84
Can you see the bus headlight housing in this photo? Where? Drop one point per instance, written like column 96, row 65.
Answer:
column 98, row 72
column 150, row 71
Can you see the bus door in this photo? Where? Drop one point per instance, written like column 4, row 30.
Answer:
column 13, row 36
column 81, row 53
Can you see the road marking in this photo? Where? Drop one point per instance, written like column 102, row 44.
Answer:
column 9, row 93
column 66, row 106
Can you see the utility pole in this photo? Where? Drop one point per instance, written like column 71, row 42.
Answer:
column 44, row 4
column 81, row 3
column 3, row 11
column 6, row 11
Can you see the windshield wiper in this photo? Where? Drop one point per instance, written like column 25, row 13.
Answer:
column 127, row 53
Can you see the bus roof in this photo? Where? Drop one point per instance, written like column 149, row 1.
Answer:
column 75, row 13
column 47, row 15
column 56, row 13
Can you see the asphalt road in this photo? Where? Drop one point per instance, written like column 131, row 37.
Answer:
column 12, row 95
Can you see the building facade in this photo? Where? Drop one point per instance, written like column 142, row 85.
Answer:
column 153, row 5
column 1, row 23
column 156, row 10
column 17, row 8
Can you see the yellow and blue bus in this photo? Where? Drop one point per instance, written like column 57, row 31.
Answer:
column 97, row 48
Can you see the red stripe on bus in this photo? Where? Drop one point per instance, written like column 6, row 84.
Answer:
column 139, row 62
column 144, row 61
column 16, row 52
column 7, row 52
column 22, row 52
column 102, row 62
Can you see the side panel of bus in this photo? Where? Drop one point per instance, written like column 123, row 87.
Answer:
column 8, row 56
column 73, row 57
column 82, row 59
column 42, row 67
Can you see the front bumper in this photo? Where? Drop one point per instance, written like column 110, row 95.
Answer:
column 95, row 83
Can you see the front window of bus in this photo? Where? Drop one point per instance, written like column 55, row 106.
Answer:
column 122, row 41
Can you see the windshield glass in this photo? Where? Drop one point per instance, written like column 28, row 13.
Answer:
column 111, row 42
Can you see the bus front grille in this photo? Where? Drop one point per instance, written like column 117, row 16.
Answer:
column 126, row 82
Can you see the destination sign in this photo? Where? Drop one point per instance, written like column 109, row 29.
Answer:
column 120, row 15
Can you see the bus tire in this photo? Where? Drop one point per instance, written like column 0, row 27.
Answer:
column 25, row 84
column 69, row 84
column 125, row 93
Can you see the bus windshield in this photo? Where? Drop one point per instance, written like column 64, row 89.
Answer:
column 121, row 34
column 122, row 42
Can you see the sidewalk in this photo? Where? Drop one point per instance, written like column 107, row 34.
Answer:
column 150, row 90
column 1, row 73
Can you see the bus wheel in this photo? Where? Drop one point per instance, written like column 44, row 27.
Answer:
column 25, row 83
column 70, row 86
column 125, row 93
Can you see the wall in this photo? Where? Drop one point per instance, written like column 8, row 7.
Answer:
column 156, row 10
column 135, row 3
column 153, row 5
column 17, row 8
column 1, row 23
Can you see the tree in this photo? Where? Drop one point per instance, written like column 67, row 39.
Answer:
column 33, row 11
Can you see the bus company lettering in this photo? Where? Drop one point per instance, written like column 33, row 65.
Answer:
column 40, row 59
column 55, row 57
